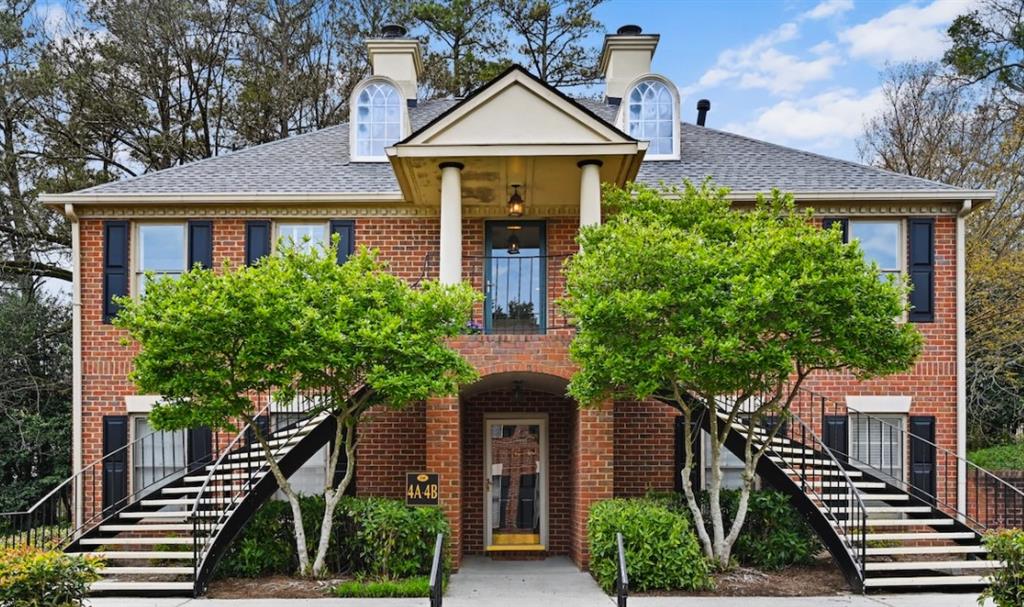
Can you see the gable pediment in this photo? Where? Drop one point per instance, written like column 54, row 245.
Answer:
column 516, row 110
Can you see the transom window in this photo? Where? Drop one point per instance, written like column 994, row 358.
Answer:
column 378, row 119
column 881, row 241
column 302, row 236
column 651, row 116
column 162, row 251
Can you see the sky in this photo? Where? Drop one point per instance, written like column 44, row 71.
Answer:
column 803, row 73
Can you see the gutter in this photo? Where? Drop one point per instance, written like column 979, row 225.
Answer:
column 76, row 360
column 961, row 353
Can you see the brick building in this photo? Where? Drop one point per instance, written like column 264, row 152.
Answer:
column 434, row 185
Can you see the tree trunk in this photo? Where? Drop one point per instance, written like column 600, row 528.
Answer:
column 344, row 437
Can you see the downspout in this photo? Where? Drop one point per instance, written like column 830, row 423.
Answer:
column 76, row 362
column 961, row 354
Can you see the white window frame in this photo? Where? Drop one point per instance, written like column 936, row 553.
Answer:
column 403, row 113
column 901, row 240
column 623, row 117
column 856, row 455
column 134, row 466
column 278, row 225
column 138, row 272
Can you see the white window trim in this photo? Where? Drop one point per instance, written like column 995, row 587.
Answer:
column 622, row 123
column 141, row 403
column 403, row 110
column 277, row 225
column 889, row 404
column 135, row 253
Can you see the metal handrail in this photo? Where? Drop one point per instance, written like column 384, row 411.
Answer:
column 622, row 579
column 437, row 573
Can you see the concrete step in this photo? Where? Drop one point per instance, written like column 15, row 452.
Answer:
column 133, row 541
column 905, row 550
column 147, row 527
column 141, row 586
column 925, row 581
column 874, row 497
column 131, row 555
column 924, row 535
column 932, row 565
column 146, row 571
column 884, row 509
column 910, row 522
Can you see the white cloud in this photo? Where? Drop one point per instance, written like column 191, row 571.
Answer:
column 828, row 8
column 826, row 121
column 907, row 32
column 761, row 65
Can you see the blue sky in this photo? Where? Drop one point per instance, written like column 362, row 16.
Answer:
column 803, row 73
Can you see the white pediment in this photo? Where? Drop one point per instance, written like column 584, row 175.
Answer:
column 516, row 109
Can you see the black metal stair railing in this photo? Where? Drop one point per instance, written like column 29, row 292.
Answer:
column 798, row 459
column 884, row 448
column 103, row 488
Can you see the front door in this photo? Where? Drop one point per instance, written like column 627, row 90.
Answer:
column 515, row 487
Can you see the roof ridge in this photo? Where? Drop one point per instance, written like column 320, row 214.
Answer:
column 850, row 163
column 198, row 161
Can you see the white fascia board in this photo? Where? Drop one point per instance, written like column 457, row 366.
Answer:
column 879, row 195
column 142, row 198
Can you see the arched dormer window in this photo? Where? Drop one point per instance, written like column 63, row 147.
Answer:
column 651, row 113
column 378, row 119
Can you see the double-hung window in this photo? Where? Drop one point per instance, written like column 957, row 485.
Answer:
column 161, row 251
column 303, row 236
column 156, row 456
column 882, row 242
column 876, row 442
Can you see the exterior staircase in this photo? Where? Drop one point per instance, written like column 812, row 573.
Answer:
column 883, row 532
column 165, row 539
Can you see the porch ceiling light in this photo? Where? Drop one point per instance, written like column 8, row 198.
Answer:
column 515, row 203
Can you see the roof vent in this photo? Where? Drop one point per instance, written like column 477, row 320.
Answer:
column 630, row 30
column 703, row 107
column 393, row 30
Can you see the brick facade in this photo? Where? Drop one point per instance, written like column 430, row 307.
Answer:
column 620, row 449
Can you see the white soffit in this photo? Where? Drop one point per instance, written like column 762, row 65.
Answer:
column 879, row 404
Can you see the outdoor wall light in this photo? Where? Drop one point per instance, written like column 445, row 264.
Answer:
column 515, row 203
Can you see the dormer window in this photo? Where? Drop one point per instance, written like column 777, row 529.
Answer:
column 652, row 114
column 377, row 119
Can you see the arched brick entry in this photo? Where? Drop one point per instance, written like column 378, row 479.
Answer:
column 580, row 451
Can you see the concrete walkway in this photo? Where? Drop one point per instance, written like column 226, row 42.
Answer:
column 553, row 582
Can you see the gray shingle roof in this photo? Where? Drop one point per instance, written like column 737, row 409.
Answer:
column 318, row 163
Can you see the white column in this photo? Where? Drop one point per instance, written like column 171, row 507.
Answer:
column 590, row 192
column 451, row 223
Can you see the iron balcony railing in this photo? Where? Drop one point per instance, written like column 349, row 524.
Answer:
column 521, row 292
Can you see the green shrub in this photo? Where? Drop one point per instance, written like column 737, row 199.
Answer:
column 1000, row 457
column 376, row 537
column 1006, row 586
column 662, row 552
column 413, row 587
column 30, row 577
column 774, row 534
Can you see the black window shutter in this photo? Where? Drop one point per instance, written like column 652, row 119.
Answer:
column 696, row 436
column 257, row 241
column 836, row 435
column 921, row 266
column 346, row 231
column 115, row 266
column 922, row 457
column 844, row 226
column 200, row 244
column 115, row 465
column 200, row 447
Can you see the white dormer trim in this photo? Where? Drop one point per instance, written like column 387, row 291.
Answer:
column 353, row 148
column 622, row 123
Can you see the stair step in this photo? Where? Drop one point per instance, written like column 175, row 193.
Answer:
column 867, row 497
column 884, row 509
column 140, row 586
column 146, row 571
column 810, row 461
column 141, row 554
column 924, row 535
column 130, row 541
column 211, row 488
column 842, row 485
column 811, row 471
column 236, row 476
column 901, row 550
column 147, row 527
column 932, row 565
column 939, row 580
column 171, row 514
column 185, row 501
column 909, row 522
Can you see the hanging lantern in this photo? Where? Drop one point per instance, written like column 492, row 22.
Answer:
column 513, row 244
column 515, row 203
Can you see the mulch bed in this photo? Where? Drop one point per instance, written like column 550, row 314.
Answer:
column 819, row 579
column 274, row 587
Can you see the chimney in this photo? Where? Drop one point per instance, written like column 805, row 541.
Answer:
column 625, row 56
column 397, row 56
column 703, row 107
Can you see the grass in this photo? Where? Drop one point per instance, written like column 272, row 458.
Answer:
column 1000, row 457
column 414, row 587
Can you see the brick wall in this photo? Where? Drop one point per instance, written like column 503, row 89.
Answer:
column 992, row 503
column 644, row 448
column 391, row 443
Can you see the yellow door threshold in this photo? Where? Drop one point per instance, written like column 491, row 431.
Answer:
column 517, row 548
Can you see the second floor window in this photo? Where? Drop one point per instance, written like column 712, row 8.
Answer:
column 881, row 240
column 162, row 251
column 651, row 116
column 378, row 120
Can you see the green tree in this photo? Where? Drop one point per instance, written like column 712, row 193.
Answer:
column 293, row 322
column 466, row 47
column 987, row 43
column 552, row 38
column 684, row 300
